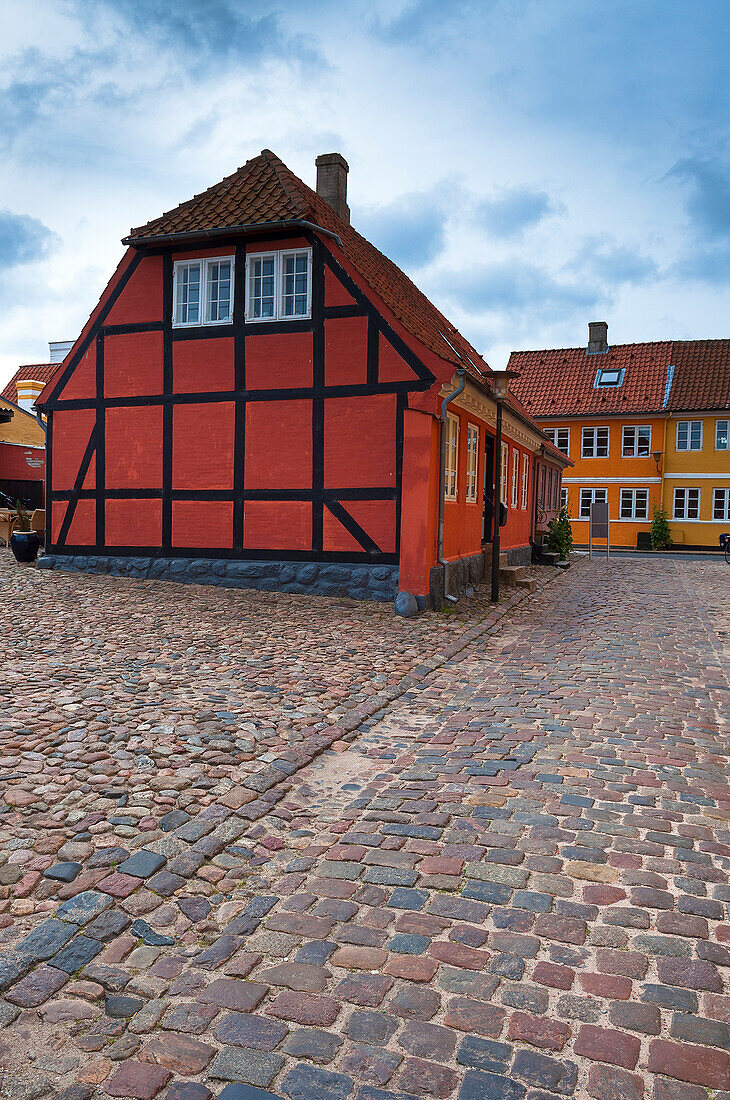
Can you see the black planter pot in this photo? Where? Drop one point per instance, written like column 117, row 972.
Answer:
column 25, row 545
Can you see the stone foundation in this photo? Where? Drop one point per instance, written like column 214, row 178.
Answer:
column 468, row 572
column 360, row 582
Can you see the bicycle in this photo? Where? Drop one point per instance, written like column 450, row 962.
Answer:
column 725, row 545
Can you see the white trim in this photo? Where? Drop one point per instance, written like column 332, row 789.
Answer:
column 203, row 262
column 25, row 446
column 722, row 420
column 635, row 428
column 706, row 477
column 686, row 490
column 614, row 480
column 278, row 257
column 472, row 468
column 453, row 423
column 689, row 448
column 594, row 429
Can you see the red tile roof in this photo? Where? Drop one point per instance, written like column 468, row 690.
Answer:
column 669, row 375
column 37, row 372
column 264, row 190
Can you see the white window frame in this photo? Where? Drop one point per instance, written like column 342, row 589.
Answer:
column 632, row 496
column 687, row 425
column 721, row 504
column 631, row 448
column 591, row 497
column 504, row 475
column 555, row 435
column 472, row 462
column 278, row 257
column 725, row 432
column 203, row 305
column 592, row 434
column 563, row 497
column 680, row 511
column 515, row 475
column 525, row 479
column 451, row 462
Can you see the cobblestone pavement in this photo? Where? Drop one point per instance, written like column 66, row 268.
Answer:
column 501, row 871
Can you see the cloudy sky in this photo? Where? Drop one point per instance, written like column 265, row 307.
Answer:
column 532, row 164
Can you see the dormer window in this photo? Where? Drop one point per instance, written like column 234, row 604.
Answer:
column 279, row 285
column 608, row 378
column 203, row 291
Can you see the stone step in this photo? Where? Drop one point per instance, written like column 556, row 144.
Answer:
column 549, row 557
column 509, row 575
column 563, row 564
column 528, row 583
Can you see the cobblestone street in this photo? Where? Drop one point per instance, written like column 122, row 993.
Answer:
column 257, row 846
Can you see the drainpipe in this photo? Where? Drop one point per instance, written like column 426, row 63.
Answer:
column 461, row 375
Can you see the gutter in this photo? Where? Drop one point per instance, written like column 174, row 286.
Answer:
column 461, row 375
column 244, row 227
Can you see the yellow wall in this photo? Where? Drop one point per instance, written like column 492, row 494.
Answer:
column 612, row 473
column 23, row 428
column 705, row 470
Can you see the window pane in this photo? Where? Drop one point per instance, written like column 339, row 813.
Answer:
column 626, row 504
column 682, row 435
column 721, row 435
column 641, row 510
column 696, row 444
column 644, row 441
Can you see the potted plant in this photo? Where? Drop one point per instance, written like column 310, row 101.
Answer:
column 24, row 542
column 560, row 534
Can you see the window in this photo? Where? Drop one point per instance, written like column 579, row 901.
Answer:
column 686, row 504
column 721, row 503
column 609, row 377
column 721, row 435
column 452, row 456
column 636, row 441
column 594, row 443
column 591, row 496
column 515, row 475
column 556, row 482
column 472, row 460
column 634, row 504
column 193, row 305
column 563, row 498
column 541, row 498
column 525, row 477
column 689, row 435
column 560, row 437
column 504, row 476
column 279, row 286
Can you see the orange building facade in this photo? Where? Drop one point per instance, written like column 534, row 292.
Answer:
column 646, row 427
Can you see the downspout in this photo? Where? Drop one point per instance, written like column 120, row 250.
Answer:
column 461, row 375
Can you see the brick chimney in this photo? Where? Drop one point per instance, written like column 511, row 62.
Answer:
column 332, row 169
column 597, row 337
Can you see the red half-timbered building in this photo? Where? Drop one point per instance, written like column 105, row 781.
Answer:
column 256, row 401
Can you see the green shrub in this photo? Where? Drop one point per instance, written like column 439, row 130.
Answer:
column 560, row 534
column 660, row 533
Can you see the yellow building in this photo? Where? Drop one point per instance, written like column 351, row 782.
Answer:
column 645, row 425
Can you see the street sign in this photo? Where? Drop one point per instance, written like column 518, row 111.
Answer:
column 599, row 526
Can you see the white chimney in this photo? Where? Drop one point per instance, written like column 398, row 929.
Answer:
column 28, row 391
column 59, row 349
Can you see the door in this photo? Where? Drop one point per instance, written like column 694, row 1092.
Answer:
column 488, row 505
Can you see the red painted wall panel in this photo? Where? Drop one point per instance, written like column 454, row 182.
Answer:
column 133, row 447
column 133, row 364
column 391, row 366
column 200, row 366
column 277, row 525
column 346, row 351
column 141, row 299
column 133, row 523
column 334, row 292
column 359, row 441
column 82, row 531
column 82, row 383
column 278, row 445
column 206, row 523
column 377, row 519
column 18, row 463
column 203, row 446
column 419, row 500
column 71, row 433
column 337, row 537
column 282, row 361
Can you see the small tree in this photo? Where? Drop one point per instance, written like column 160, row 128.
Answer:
column 23, row 517
column 560, row 534
column 660, row 534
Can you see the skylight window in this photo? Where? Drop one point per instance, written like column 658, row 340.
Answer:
column 609, row 377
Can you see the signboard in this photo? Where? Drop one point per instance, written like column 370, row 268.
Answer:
column 599, row 526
